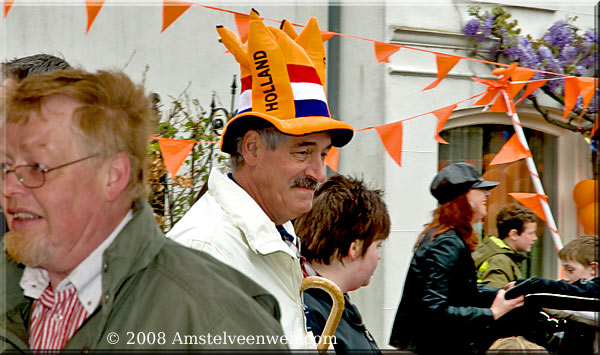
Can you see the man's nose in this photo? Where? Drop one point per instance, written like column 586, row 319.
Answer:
column 316, row 169
column 12, row 185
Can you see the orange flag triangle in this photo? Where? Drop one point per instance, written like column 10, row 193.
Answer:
column 391, row 137
column 383, row 51
column 7, row 5
column 587, row 87
column 511, row 151
column 93, row 8
column 595, row 127
column 571, row 93
column 519, row 74
column 326, row 35
column 332, row 158
column 531, row 87
column 445, row 63
column 172, row 10
column 174, row 152
column 242, row 23
column 442, row 115
column 531, row 201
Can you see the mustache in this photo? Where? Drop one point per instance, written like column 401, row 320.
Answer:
column 306, row 182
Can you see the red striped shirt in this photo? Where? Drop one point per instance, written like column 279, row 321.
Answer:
column 55, row 318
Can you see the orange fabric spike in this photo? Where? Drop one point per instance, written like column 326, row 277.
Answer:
column 174, row 152
column 93, row 8
column 172, row 10
column 287, row 27
column 7, row 5
column 511, row 151
column 243, row 26
column 531, row 201
column 391, row 137
column 383, row 51
column 333, row 158
column 571, row 93
column 531, row 87
column 445, row 63
column 442, row 116
column 308, row 39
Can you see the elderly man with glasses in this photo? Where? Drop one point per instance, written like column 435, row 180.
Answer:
column 85, row 265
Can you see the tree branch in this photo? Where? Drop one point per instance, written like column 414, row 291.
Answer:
column 547, row 117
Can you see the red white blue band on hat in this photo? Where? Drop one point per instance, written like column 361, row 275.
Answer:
column 308, row 92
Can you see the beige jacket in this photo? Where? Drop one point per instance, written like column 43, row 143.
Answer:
column 228, row 224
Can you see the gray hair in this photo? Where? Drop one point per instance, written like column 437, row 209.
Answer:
column 20, row 68
column 269, row 135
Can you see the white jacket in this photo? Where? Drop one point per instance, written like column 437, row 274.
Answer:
column 228, row 224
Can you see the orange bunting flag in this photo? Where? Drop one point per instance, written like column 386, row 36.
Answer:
column 571, row 93
column 519, row 74
column 93, row 8
column 174, row 152
column 595, row 127
column 445, row 63
column 442, row 116
column 511, row 151
column 391, row 137
column 242, row 22
column 531, row 201
column 531, row 87
column 332, row 158
column 587, row 88
column 326, row 35
column 172, row 10
column 7, row 5
column 383, row 51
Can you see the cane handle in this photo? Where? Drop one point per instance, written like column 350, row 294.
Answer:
column 336, row 310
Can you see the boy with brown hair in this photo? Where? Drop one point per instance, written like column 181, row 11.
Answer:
column 498, row 259
column 579, row 258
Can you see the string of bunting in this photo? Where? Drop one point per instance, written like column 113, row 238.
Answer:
column 498, row 97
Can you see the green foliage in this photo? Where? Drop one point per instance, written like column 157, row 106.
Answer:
column 172, row 196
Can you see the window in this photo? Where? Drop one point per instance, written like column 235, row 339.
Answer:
column 478, row 144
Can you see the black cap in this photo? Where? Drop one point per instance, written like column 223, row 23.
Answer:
column 455, row 180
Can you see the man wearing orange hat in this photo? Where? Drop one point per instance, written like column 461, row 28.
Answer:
column 277, row 143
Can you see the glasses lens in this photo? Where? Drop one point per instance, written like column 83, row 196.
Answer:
column 29, row 175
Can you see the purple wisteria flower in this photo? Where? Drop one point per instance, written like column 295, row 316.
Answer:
column 488, row 24
column 559, row 34
column 472, row 27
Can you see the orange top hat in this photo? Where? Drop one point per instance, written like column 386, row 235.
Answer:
column 283, row 83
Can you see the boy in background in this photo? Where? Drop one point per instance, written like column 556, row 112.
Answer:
column 497, row 259
column 579, row 258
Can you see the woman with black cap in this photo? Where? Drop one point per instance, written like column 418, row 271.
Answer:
column 442, row 307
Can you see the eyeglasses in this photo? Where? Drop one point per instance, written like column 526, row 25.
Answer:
column 34, row 175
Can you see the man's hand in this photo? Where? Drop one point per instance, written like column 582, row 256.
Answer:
column 501, row 306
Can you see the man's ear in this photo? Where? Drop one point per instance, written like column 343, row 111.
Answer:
column 594, row 266
column 252, row 146
column 119, row 170
column 355, row 249
column 513, row 233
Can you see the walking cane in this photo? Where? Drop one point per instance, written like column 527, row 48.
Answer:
column 336, row 310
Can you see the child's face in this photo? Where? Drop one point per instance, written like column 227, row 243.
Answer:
column 574, row 270
column 524, row 241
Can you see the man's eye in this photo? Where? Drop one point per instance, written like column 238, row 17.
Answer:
column 38, row 166
column 5, row 167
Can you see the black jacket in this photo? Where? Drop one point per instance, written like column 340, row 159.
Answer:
column 442, row 308
column 351, row 333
